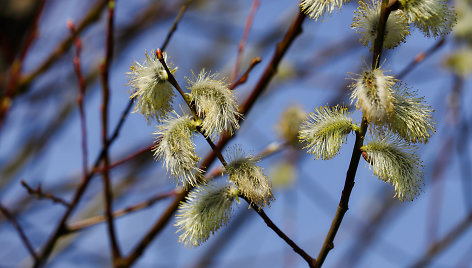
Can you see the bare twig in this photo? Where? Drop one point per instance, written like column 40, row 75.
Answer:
column 20, row 231
column 92, row 16
column 245, row 76
column 108, row 195
column 242, row 43
column 40, row 194
column 80, row 225
column 80, row 97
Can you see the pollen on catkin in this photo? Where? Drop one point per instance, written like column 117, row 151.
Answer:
column 366, row 23
column 249, row 178
column 325, row 131
column 432, row 17
column 412, row 117
column 394, row 162
column 215, row 103
column 153, row 94
column 175, row 147
column 318, row 8
column 373, row 94
column 206, row 209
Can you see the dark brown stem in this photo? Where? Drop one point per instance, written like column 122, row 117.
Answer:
column 242, row 43
column 40, row 194
column 282, row 47
column 346, row 193
column 310, row 261
column 173, row 28
column 20, row 231
column 108, row 195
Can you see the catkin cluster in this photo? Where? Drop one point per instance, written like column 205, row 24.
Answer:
column 215, row 111
column 397, row 118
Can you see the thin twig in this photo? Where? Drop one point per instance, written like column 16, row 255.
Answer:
column 242, row 43
column 17, row 65
column 20, row 231
column 80, row 225
column 40, row 194
column 92, row 16
column 173, row 28
column 107, row 192
column 420, row 57
column 255, row 61
column 281, row 234
column 80, row 97
column 281, row 48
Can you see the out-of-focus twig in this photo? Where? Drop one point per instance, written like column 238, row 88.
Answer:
column 40, row 194
column 245, row 76
column 80, row 225
column 242, row 43
column 107, row 192
column 20, row 231
column 80, row 98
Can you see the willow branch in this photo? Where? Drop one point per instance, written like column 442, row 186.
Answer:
column 343, row 206
column 281, row 48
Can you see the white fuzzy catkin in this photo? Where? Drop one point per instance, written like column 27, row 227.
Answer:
column 412, row 118
column 206, row 209
column 249, row 178
column 215, row 104
column 325, row 131
column 153, row 93
column 176, row 149
column 318, row 8
column 432, row 17
column 373, row 95
column 393, row 162
column 366, row 23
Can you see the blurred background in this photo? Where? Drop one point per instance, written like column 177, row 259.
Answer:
column 40, row 138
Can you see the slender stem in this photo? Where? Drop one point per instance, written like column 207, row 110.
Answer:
column 242, row 43
column 20, row 231
column 40, row 194
column 255, row 61
column 108, row 195
column 310, row 261
column 80, row 98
